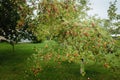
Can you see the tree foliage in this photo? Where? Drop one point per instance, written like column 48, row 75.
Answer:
column 8, row 19
column 14, row 18
column 51, row 14
column 113, row 23
column 80, row 39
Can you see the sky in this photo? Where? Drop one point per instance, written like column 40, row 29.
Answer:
column 100, row 7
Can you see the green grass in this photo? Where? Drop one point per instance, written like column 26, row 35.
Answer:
column 12, row 66
column 71, row 72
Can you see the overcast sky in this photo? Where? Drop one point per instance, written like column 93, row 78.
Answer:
column 100, row 7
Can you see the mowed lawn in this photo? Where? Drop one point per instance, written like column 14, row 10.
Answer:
column 12, row 66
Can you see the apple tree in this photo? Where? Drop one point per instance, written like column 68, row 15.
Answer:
column 79, row 39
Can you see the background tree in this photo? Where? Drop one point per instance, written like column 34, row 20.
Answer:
column 113, row 23
column 14, row 18
column 8, row 19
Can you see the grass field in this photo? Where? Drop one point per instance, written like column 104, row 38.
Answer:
column 12, row 66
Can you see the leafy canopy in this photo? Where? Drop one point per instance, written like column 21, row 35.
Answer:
column 80, row 39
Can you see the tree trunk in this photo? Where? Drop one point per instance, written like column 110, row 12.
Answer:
column 82, row 67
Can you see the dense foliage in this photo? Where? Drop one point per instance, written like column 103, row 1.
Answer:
column 14, row 18
column 79, row 39
column 8, row 19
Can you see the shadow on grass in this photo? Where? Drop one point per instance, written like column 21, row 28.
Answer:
column 71, row 71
